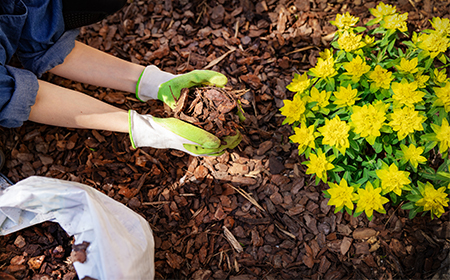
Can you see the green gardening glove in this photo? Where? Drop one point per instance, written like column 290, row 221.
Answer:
column 172, row 133
column 156, row 84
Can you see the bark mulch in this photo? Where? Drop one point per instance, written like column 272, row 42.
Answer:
column 251, row 213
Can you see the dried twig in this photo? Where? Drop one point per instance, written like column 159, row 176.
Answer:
column 217, row 60
column 230, row 237
column 249, row 198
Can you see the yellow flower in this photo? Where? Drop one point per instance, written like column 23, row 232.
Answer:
column 408, row 66
column 345, row 21
column 320, row 97
column 345, row 96
column 382, row 10
column 433, row 200
column 367, row 121
column 413, row 154
column 369, row 200
column 405, row 121
column 421, row 80
column 443, row 95
column 392, row 179
column 434, row 43
column 326, row 54
column 442, row 26
column 341, row 195
column 369, row 40
column 381, row 77
column 335, row 133
column 299, row 83
column 349, row 41
column 396, row 21
column 381, row 106
column 440, row 76
column 304, row 137
column 319, row 164
column 293, row 110
column 442, row 135
column 324, row 68
column 406, row 93
column 356, row 68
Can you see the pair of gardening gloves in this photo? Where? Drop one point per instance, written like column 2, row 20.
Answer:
column 172, row 133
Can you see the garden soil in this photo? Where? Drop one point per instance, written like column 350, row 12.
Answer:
column 251, row 213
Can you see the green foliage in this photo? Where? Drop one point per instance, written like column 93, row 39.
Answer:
column 375, row 114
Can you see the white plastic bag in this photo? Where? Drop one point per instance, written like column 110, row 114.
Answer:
column 121, row 241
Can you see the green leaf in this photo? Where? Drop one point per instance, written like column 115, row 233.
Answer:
column 334, row 177
column 350, row 168
column 330, row 85
column 388, row 149
column 364, row 83
column 349, row 56
column 362, row 181
column 442, row 58
column 350, row 153
column 349, row 211
column 318, row 180
column 378, row 147
column 335, row 44
column 429, row 63
column 394, row 197
column 372, row 22
column 443, row 176
column 408, row 206
column 412, row 213
column 391, row 46
column 386, row 129
column 354, row 145
column 444, row 166
column 357, row 214
column 360, row 29
column 311, row 105
column 337, row 168
column 429, row 146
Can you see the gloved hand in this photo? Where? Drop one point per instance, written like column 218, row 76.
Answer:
column 172, row 133
column 156, row 84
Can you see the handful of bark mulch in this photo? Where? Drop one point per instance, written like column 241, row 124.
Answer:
column 213, row 109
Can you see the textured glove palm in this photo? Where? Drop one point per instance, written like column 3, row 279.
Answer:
column 171, row 133
column 156, row 84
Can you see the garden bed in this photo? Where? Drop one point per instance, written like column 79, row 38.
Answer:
column 258, row 193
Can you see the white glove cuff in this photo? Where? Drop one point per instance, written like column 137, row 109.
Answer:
column 148, row 84
column 139, row 123
column 145, row 132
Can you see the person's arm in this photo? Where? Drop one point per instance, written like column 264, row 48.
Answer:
column 64, row 107
column 91, row 66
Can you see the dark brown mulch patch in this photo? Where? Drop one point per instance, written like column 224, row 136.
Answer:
column 251, row 213
column 39, row 252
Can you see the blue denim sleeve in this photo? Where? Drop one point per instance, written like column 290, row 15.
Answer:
column 44, row 43
column 34, row 30
column 18, row 93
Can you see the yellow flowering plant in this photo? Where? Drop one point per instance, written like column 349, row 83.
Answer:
column 371, row 118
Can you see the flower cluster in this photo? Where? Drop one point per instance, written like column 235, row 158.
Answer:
column 371, row 117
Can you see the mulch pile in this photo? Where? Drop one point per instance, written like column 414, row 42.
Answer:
column 210, row 108
column 251, row 213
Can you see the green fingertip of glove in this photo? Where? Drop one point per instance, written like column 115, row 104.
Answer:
column 189, row 132
column 173, row 87
column 231, row 143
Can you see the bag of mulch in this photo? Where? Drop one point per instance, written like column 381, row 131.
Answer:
column 121, row 244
